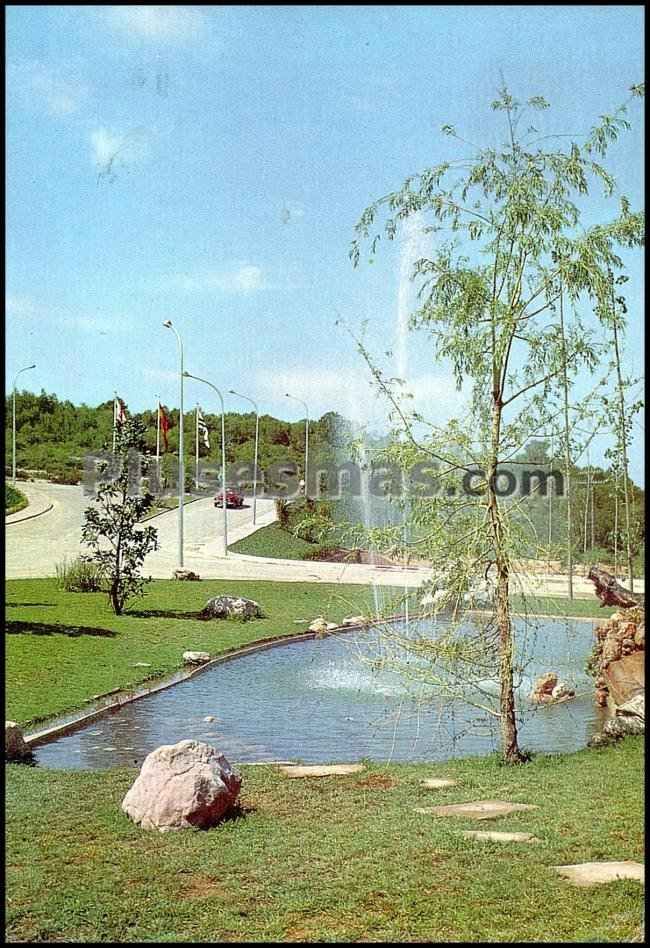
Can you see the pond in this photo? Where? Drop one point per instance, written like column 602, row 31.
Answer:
column 321, row 700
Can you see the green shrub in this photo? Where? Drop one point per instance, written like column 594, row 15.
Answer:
column 282, row 512
column 15, row 500
column 78, row 576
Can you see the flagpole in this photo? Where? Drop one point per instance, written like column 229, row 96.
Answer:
column 196, row 477
column 158, row 431
column 114, row 419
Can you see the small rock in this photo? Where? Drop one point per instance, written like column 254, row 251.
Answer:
column 438, row 783
column 196, row 658
column 15, row 746
column 543, row 688
column 231, row 607
column 318, row 625
column 142, row 665
column 182, row 786
column 562, row 691
column 355, row 620
column 186, row 575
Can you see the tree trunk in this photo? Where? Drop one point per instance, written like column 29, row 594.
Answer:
column 567, row 449
column 115, row 598
column 623, row 445
column 509, row 744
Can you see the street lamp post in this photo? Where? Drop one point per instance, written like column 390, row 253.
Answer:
column 14, row 419
column 181, row 459
column 287, row 395
column 188, row 375
column 257, row 437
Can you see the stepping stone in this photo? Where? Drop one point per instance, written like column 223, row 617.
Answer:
column 595, row 873
column 481, row 810
column 322, row 771
column 502, row 837
column 437, row 783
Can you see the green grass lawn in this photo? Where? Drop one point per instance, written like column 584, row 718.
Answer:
column 338, row 859
column 331, row 859
column 275, row 542
column 15, row 500
column 62, row 648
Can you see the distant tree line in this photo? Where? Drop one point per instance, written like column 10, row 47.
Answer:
column 54, row 436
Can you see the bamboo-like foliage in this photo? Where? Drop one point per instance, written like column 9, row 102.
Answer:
column 498, row 298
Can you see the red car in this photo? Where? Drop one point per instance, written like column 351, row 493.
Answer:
column 233, row 499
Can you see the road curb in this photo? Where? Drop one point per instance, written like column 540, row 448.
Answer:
column 30, row 516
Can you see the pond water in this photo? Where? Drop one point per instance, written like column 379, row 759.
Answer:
column 321, row 700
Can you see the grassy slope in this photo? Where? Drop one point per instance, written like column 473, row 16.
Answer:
column 15, row 500
column 332, row 859
column 62, row 648
column 273, row 541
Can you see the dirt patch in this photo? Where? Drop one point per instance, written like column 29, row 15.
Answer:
column 377, row 782
column 200, row 886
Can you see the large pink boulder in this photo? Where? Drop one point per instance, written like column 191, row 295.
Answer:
column 180, row 786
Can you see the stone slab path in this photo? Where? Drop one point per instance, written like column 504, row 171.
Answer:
column 481, row 810
column 502, row 837
column 597, row 873
column 322, row 771
column 438, row 783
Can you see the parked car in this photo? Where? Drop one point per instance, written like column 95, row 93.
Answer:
column 233, row 499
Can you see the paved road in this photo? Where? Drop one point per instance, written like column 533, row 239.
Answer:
column 34, row 547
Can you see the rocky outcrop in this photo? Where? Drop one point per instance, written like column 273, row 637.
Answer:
column 618, row 658
column 629, row 718
column 182, row 786
column 611, row 593
column 231, row 607
column 15, row 746
column 548, row 689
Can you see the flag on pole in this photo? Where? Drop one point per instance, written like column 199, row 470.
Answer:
column 164, row 425
column 119, row 411
column 203, row 428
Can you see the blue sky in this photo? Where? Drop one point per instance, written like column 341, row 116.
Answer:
column 208, row 164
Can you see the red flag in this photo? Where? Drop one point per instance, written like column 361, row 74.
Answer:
column 164, row 425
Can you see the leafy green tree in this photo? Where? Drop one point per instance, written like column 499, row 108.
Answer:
column 111, row 527
column 508, row 247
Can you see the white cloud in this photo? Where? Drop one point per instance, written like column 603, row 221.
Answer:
column 291, row 211
column 61, row 91
column 25, row 308
column 241, row 278
column 164, row 24
column 350, row 393
column 99, row 324
column 21, row 307
column 160, row 375
column 110, row 149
